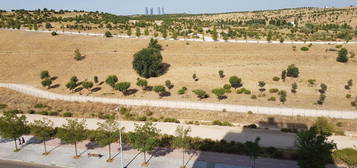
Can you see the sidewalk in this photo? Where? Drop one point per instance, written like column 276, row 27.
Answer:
column 62, row 155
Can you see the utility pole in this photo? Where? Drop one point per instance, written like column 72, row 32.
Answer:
column 121, row 146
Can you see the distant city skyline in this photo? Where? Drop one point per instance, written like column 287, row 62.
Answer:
column 182, row 6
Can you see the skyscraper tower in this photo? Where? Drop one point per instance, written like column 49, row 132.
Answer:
column 158, row 10
column 146, row 11
column 151, row 11
column 162, row 11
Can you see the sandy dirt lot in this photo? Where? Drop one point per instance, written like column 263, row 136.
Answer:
column 24, row 55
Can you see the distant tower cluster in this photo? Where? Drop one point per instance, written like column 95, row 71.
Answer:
column 150, row 11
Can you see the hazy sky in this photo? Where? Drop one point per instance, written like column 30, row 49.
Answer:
column 126, row 7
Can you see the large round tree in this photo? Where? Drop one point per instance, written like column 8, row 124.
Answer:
column 148, row 62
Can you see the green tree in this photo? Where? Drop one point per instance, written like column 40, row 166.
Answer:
column 201, row 94
column 45, row 74
column 108, row 34
column 146, row 32
column 122, row 87
column 144, row 138
column 142, row 83
column 168, row 84
column 154, row 44
column 164, row 33
column 87, row 85
column 47, row 83
column 214, row 34
column 283, row 75
column 283, row 96
column 235, row 82
column 221, row 73
column 174, row 35
column 342, row 55
column 71, row 85
column 72, row 132
column 148, row 62
column 292, row 71
column 111, row 80
column 323, row 126
column 107, row 133
column 182, row 141
column 159, row 89
column 137, row 32
column 13, row 126
column 77, row 55
column 294, row 87
column 219, row 92
column 43, row 130
column 261, row 84
column 269, row 36
column 74, row 79
column 314, row 150
column 128, row 32
column 253, row 149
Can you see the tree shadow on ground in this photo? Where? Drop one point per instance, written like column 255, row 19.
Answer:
column 53, row 78
column 161, row 151
column 78, row 89
column 100, row 83
column 96, row 89
column 130, row 92
column 132, row 159
column 5, row 140
column 55, row 86
column 165, row 68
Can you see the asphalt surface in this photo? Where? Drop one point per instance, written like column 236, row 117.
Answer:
column 14, row 164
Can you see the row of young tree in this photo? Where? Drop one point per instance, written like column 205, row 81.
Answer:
column 313, row 147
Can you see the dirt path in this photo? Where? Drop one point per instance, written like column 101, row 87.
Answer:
column 27, row 89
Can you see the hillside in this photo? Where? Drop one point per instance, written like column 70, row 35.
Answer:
column 25, row 54
column 302, row 24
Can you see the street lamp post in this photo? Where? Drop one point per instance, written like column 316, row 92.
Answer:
column 121, row 146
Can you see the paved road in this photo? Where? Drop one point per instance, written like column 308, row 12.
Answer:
column 27, row 89
column 201, row 39
column 15, row 164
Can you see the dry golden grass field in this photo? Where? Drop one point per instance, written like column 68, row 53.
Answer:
column 24, row 55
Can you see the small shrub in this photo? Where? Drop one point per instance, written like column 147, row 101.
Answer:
column 2, row 106
column 67, row 114
column 172, row 120
column 31, row 111
column 291, row 130
column 275, row 78
column 53, row 113
column 253, row 97
column 250, row 112
column 40, row 106
column 221, row 74
column 252, row 126
column 54, row 33
column 348, row 96
column 338, row 46
column 304, row 49
column 311, row 82
column 43, row 113
column 272, row 98
column 108, row 34
column 273, row 90
column 149, row 113
column 342, row 55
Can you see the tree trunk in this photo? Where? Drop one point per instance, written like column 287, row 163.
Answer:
column 15, row 144
column 75, row 147
column 145, row 157
column 44, row 145
column 110, row 154
column 183, row 158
